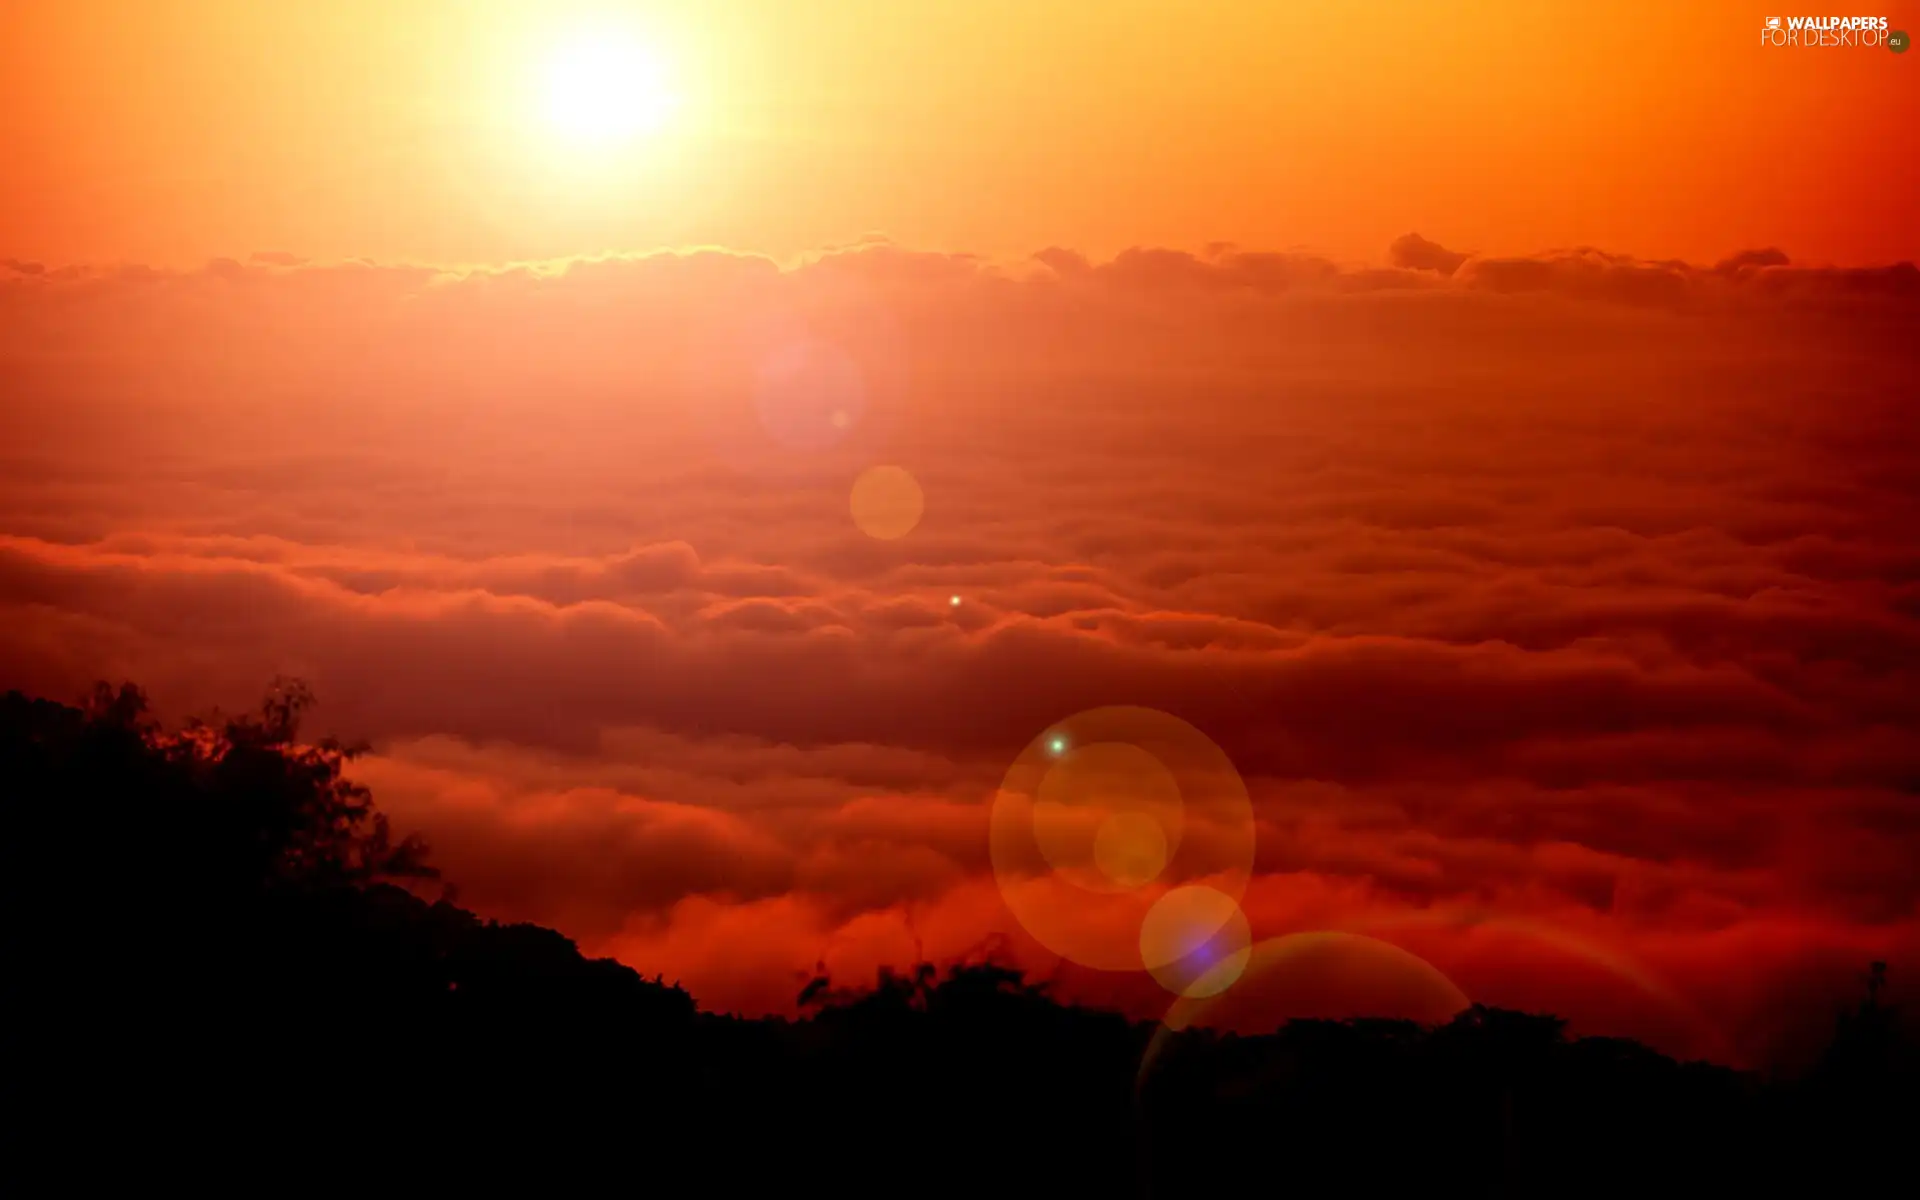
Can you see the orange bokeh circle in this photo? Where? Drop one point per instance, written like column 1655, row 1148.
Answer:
column 1105, row 813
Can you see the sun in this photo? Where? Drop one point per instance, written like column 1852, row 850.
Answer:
column 603, row 88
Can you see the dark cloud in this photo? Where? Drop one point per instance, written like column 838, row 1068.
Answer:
column 1418, row 254
column 1746, row 260
column 1585, row 274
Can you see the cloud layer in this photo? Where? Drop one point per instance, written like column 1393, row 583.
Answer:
column 1561, row 612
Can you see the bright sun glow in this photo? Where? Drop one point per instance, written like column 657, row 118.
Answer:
column 604, row 88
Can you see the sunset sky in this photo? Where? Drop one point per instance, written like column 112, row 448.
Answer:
column 1491, row 425
column 172, row 131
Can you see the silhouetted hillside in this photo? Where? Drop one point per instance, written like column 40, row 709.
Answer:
column 214, row 974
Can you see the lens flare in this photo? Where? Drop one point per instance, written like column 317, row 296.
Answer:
column 1130, row 849
column 809, row 395
column 887, row 502
column 1105, row 816
column 1638, row 1002
column 1191, row 1081
column 1327, row 976
column 1111, row 798
column 1196, row 942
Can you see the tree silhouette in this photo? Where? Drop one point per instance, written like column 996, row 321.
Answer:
column 294, row 817
column 216, row 972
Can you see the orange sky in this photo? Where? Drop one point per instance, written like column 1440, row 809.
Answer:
column 171, row 131
column 1560, row 608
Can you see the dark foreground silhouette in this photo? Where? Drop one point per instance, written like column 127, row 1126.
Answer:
column 215, row 977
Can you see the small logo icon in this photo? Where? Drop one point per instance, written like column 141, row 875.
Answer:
column 1773, row 22
column 1899, row 40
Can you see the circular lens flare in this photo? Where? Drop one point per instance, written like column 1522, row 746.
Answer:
column 887, row 502
column 1130, row 848
column 1324, row 976
column 1190, row 1079
column 1196, row 941
column 809, row 395
column 1107, row 799
column 1105, row 814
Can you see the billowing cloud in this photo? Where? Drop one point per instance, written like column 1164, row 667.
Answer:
column 1560, row 608
column 1417, row 253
